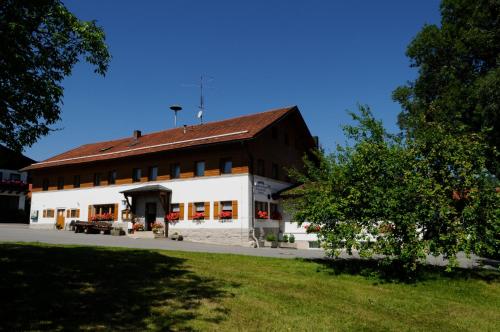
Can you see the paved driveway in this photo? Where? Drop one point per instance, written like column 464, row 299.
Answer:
column 21, row 233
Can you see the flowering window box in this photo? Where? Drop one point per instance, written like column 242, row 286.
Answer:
column 199, row 216
column 262, row 215
column 226, row 215
column 172, row 216
column 102, row 217
column 312, row 228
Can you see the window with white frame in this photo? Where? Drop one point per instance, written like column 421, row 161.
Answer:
column 175, row 208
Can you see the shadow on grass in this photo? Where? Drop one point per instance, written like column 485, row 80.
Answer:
column 383, row 272
column 73, row 288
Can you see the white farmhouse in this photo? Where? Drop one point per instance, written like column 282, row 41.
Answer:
column 213, row 182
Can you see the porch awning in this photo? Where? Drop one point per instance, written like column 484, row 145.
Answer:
column 163, row 193
column 151, row 189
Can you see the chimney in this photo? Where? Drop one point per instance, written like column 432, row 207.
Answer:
column 185, row 128
column 137, row 134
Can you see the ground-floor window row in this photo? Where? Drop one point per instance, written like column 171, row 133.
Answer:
column 195, row 211
column 219, row 210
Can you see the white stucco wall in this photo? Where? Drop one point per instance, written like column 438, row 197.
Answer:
column 264, row 194
column 204, row 189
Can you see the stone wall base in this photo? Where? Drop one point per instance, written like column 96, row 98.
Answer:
column 229, row 236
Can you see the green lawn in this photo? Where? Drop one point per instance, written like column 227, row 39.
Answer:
column 46, row 287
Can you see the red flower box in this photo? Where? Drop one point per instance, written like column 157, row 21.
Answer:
column 172, row 216
column 262, row 215
column 312, row 228
column 199, row 216
column 103, row 217
column 226, row 215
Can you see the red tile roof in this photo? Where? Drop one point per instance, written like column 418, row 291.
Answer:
column 240, row 128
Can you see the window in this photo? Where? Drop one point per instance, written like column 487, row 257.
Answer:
column 274, row 212
column 175, row 208
column 76, row 181
column 200, row 211
column 112, row 177
column 45, row 184
column 199, row 207
column 136, row 175
column 175, row 171
column 73, row 213
column 97, row 179
column 226, row 166
column 48, row 213
column 103, row 210
column 15, row 177
column 60, row 183
column 153, row 173
column 261, row 167
column 199, row 168
column 275, row 171
column 261, row 210
column 226, row 206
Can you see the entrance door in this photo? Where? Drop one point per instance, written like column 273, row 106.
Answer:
column 150, row 215
column 60, row 219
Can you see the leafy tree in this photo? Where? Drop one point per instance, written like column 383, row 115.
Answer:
column 41, row 42
column 400, row 197
column 458, row 83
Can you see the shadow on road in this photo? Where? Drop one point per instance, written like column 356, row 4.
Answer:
column 51, row 288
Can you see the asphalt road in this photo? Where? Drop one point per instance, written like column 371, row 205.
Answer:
column 21, row 233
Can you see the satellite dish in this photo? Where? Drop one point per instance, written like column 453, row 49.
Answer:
column 200, row 114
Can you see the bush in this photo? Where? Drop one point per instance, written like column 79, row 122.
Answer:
column 285, row 238
column 270, row 237
column 291, row 238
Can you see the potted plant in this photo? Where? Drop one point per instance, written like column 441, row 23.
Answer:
column 138, row 227
column 117, row 231
column 157, row 228
column 288, row 241
column 271, row 241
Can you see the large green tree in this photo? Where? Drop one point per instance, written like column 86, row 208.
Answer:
column 40, row 42
column 458, row 82
column 399, row 197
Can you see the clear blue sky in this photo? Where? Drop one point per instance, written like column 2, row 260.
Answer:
column 324, row 56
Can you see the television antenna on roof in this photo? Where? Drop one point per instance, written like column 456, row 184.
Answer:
column 201, row 107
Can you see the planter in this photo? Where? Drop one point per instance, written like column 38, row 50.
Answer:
column 288, row 245
column 117, row 232
column 272, row 244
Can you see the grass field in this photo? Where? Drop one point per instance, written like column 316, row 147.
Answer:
column 46, row 287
